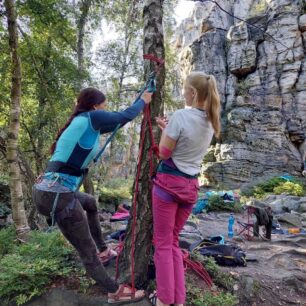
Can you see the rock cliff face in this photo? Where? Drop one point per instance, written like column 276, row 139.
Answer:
column 261, row 74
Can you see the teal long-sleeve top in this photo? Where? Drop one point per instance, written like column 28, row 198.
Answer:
column 79, row 143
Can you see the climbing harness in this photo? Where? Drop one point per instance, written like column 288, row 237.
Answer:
column 150, row 86
column 153, row 149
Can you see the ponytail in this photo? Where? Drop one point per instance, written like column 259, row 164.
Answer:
column 213, row 105
column 87, row 99
column 205, row 87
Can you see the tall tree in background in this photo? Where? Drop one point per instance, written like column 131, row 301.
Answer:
column 81, row 23
column 17, row 202
column 50, row 74
column 119, row 61
column 153, row 44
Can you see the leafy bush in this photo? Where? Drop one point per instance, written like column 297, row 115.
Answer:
column 4, row 210
column 278, row 185
column 28, row 268
column 197, row 297
column 220, row 278
column 289, row 188
column 109, row 196
column 7, row 240
column 216, row 203
column 269, row 185
column 116, row 190
column 4, row 179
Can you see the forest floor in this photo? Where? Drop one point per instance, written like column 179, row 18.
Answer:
column 275, row 276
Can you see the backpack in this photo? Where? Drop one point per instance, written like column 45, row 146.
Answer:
column 224, row 255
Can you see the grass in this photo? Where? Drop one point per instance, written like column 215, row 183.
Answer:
column 196, row 297
column 27, row 269
column 200, row 297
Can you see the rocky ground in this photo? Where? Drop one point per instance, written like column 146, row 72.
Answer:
column 275, row 276
column 278, row 277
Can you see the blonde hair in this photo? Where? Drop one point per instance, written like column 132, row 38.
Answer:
column 205, row 87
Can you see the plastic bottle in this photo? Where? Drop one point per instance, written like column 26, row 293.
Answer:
column 231, row 221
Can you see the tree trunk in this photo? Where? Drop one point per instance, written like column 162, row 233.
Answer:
column 84, row 10
column 154, row 44
column 42, row 117
column 19, row 215
column 35, row 220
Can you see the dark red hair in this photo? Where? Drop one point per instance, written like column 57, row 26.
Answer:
column 87, row 99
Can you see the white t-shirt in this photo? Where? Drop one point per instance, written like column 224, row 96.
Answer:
column 193, row 133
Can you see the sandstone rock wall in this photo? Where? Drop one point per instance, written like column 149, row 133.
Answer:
column 261, row 74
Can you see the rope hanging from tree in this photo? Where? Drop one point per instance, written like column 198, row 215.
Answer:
column 146, row 122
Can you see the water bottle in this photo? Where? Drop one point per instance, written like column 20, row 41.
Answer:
column 231, row 221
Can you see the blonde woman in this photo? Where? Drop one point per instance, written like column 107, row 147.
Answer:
column 184, row 142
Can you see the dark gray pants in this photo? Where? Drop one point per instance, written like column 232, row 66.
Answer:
column 83, row 232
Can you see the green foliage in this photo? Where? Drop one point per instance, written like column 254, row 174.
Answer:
column 27, row 269
column 216, row 203
column 85, row 281
column 7, row 240
column 243, row 87
column 221, row 279
column 267, row 186
column 4, row 210
column 259, row 8
column 4, row 178
column 198, row 297
column 47, row 40
column 115, row 190
column 119, row 183
column 278, row 185
column 289, row 188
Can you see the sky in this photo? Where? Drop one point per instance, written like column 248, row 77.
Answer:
column 183, row 10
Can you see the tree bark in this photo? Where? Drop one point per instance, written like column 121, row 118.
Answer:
column 84, row 10
column 153, row 44
column 35, row 220
column 19, row 215
column 42, row 117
